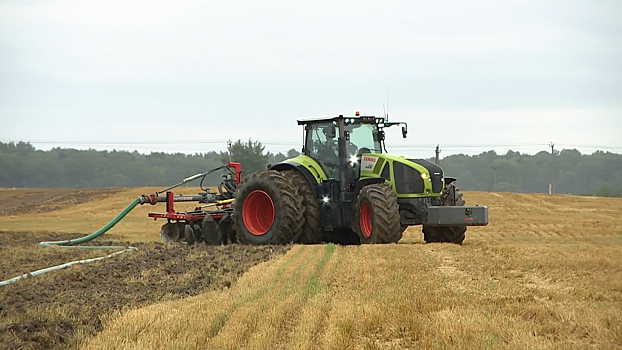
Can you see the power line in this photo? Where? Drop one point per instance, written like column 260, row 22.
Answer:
column 291, row 144
column 172, row 142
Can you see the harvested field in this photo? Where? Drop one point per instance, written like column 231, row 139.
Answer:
column 544, row 274
column 59, row 308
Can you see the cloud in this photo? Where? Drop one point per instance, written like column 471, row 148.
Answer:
column 248, row 66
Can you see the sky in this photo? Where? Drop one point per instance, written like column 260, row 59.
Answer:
column 164, row 76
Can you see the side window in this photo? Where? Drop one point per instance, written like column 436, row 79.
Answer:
column 322, row 139
column 317, row 140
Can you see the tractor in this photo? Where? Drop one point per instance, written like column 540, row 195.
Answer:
column 344, row 187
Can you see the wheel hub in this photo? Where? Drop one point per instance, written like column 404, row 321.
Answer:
column 258, row 212
column 366, row 224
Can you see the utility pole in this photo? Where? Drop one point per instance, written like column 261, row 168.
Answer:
column 229, row 149
column 494, row 175
column 519, row 161
column 438, row 152
column 552, row 168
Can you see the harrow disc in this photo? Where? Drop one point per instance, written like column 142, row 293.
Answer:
column 169, row 232
column 189, row 234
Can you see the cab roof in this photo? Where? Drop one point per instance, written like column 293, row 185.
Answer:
column 361, row 118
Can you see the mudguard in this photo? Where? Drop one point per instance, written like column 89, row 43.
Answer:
column 310, row 168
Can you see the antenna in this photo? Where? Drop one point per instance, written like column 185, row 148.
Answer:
column 386, row 114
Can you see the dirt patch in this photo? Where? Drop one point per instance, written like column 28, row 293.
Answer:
column 39, row 200
column 59, row 309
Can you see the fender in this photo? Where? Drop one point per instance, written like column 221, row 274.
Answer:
column 364, row 182
column 291, row 165
column 312, row 169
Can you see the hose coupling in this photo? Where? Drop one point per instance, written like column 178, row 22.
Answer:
column 151, row 199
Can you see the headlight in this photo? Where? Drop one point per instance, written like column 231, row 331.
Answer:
column 326, row 199
column 424, row 175
column 353, row 159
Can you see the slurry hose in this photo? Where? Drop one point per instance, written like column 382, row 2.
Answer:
column 92, row 236
column 62, row 266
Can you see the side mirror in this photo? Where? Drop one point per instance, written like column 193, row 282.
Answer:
column 380, row 135
column 404, row 132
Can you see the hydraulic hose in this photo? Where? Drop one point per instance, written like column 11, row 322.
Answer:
column 69, row 244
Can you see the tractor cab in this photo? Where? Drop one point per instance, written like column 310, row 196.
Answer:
column 338, row 143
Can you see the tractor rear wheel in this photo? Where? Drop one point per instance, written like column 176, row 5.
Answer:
column 447, row 234
column 312, row 232
column 267, row 209
column 376, row 216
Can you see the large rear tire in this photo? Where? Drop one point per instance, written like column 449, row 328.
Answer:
column 267, row 209
column 312, row 232
column 447, row 234
column 376, row 216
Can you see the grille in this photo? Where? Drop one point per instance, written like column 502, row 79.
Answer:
column 436, row 173
column 407, row 179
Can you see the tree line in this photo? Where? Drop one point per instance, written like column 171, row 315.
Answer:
column 566, row 171
column 21, row 165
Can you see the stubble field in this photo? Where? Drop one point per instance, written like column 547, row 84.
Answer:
column 545, row 273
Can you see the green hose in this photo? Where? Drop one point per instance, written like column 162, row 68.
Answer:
column 92, row 236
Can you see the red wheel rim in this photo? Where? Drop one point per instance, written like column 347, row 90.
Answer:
column 366, row 226
column 258, row 212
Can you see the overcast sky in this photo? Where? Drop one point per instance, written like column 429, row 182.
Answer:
column 187, row 76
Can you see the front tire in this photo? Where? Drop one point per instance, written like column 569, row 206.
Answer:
column 377, row 217
column 267, row 209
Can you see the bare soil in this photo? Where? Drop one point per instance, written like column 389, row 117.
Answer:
column 61, row 308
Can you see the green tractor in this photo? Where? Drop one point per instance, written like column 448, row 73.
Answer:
column 343, row 188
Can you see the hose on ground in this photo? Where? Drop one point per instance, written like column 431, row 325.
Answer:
column 62, row 266
column 70, row 244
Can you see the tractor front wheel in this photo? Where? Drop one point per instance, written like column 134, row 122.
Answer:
column 376, row 216
column 267, row 209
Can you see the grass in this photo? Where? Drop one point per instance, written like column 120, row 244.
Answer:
column 544, row 274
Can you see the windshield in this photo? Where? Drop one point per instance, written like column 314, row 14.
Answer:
column 364, row 138
column 323, row 136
